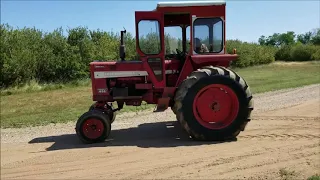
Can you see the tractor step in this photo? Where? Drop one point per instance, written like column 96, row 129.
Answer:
column 126, row 97
column 163, row 104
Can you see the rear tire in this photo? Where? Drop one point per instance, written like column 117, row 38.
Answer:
column 213, row 103
column 93, row 127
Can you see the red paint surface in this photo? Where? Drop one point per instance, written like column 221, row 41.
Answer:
column 92, row 128
column 216, row 106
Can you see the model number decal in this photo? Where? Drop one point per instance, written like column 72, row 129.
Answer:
column 102, row 90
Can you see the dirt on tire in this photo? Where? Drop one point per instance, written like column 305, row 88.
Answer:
column 280, row 142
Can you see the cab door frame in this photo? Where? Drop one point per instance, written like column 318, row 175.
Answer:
column 157, row 76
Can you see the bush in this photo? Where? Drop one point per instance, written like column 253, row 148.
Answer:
column 19, row 54
column 284, row 53
column 250, row 53
column 30, row 54
column 302, row 52
column 316, row 55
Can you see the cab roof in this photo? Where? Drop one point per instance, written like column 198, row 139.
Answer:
column 190, row 3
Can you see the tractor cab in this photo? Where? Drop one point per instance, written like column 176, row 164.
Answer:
column 176, row 29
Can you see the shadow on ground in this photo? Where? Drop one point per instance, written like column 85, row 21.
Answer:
column 159, row 134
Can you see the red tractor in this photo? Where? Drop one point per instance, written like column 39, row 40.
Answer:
column 210, row 101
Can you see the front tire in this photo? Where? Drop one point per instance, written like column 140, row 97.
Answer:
column 93, row 127
column 213, row 103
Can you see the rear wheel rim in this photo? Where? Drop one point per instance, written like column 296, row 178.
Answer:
column 215, row 106
column 93, row 128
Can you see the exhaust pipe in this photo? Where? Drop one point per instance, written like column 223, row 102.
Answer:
column 122, row 46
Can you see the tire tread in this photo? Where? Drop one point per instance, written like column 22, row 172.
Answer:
column 192, row 79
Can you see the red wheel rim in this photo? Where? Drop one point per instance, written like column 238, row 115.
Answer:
column 215, row 106
column 92, row 128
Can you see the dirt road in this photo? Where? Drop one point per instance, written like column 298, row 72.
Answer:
column 281, row 141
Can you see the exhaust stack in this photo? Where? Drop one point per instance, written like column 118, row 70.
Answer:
column 122, row 46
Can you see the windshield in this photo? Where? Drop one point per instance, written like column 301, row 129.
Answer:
column 208, row 35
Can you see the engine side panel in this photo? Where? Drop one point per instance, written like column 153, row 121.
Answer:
column 131, row 75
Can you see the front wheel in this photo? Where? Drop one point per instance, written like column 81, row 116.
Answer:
column 213, row 103
column 93, row 126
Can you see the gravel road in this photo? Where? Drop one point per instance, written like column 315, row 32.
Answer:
column 281, row 140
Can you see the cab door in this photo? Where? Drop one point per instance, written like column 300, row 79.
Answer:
column 150, row 45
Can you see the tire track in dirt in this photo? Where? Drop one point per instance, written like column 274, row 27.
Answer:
column 202, row 163
column 285, row 118
column 59, row 162
column 273, row 136
column 222, row 161
column 293, row 157
column 249, row 164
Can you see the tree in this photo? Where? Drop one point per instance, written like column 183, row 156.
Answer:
column 304, row 38
column 262, row 40
column 315, row 37
column 167, row 43
column 278, row 39
column 179, row 44
column 287, row 38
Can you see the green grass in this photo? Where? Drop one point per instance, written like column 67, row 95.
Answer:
column 314, row 177
column 286, row 174
column 281, row 75
column 40, row 107
column 34, row 86
column 291, row 175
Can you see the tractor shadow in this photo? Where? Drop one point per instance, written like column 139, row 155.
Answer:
column 147, row 135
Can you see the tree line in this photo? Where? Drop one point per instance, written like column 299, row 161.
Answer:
column 294, row 47
column 31, row 54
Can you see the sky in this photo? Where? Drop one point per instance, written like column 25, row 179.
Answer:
column 245, row 20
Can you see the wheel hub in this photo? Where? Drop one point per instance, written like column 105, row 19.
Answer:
column 93, row 128
column 215, row 106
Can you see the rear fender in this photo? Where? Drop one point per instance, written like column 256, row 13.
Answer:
column 194, row 62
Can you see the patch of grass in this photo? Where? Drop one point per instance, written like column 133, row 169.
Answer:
column 314, row 177
column 34, row 86
column 38, row 107
column 41, row 108
column 286, row 174
column 280, row 75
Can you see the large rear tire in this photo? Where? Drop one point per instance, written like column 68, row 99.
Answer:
column 213, row 103
column 93, row 127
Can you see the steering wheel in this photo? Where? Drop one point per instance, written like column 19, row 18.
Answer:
column 180, row 55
